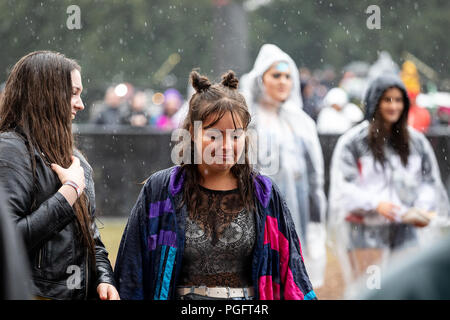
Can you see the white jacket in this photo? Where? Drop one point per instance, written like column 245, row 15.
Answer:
column 290, row 143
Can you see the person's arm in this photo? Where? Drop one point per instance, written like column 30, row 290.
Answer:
column 15, row 279
column 345, row 194
column 105, row 283
column 431, row 195
column 315, row 167
column 103, row 265
column 132, row 263
column 49, row 217
column 295, row 283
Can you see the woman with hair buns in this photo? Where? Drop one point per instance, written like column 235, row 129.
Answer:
column 212, row 227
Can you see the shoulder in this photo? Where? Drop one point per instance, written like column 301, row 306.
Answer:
column 263, row 188
column 11, row 141
column 418, row 140
column 13, row 150
column 161, row 183
column 267, row 191
column 84, row 163
column 326, row 112
column 357, row 133
column 354, row 139
column 305, row 119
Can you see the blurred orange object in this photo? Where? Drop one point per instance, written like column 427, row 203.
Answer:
column 419, row 118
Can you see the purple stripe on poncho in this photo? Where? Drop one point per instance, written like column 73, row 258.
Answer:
column 263, row 186
column 176, row 180
column 159, row 208
column 165, row 238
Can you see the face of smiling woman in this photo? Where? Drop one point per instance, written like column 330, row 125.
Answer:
column 222, row 143
column 77, row 87
column 391, row 106
column 278, row 82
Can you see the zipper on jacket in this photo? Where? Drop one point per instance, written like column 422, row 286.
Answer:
column 39, row 258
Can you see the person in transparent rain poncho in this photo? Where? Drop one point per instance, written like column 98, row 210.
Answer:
column 386, row 194
column 288, row 149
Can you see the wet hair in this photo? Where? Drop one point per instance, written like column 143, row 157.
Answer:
column 398, row 138
column 215, row 100
column 37, row 105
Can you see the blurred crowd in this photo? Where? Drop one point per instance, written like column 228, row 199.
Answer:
column 333, row 99
column 335, row 103
column 384, row 198
column 123, row 104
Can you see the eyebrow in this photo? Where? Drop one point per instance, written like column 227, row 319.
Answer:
column 223, row 131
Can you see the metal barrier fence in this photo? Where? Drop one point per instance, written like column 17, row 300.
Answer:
column 123, row 157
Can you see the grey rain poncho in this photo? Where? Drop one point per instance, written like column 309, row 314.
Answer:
column 358, row 185
column 288, row 150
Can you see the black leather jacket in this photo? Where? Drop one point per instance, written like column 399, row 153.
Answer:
column 14, row 272
column 59, row 261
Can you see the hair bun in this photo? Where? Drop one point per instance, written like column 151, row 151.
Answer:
column 229, row 80
column 199, row 82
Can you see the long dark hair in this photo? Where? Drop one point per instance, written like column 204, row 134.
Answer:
column 217, row 99
column 398, row 137
column 36, row 103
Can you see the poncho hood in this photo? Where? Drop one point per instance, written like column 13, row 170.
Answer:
column 376, row 89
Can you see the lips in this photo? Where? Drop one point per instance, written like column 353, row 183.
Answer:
column 393, row 114
column 224, row 158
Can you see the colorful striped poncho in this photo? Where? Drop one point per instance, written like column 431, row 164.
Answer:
column 150, row 256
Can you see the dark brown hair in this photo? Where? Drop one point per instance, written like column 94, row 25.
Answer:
column 36, row 103
column 215, row 100
column 398, row 137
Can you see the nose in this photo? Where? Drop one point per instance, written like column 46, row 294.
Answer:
column 227, row 144
column 283, row 79
column 398, row 103
column 395, row 106
column 79, row 104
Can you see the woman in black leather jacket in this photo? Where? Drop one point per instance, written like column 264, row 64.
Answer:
column 48, row 183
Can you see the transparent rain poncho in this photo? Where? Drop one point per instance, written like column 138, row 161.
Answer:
column 362, row 237
column 289, row 151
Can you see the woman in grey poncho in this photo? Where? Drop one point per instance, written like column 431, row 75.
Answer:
column 386, row 192
column 288, row 148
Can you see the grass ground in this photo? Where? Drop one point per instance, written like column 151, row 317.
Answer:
column 111, row 230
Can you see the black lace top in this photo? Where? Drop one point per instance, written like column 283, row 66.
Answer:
column 219, row 242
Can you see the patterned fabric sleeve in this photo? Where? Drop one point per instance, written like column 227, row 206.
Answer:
column 295, row 283
column 133, row 257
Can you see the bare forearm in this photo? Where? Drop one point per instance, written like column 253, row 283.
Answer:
column 69, row 193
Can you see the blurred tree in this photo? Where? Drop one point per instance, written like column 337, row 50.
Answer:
column 326, row 32
column 118, row 41
column 130, row 41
